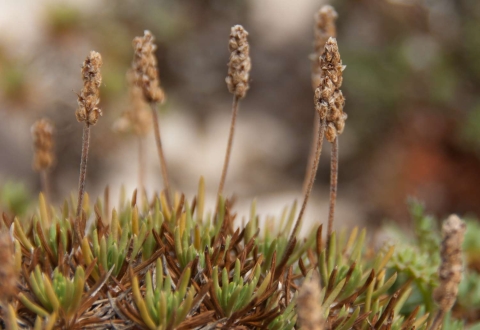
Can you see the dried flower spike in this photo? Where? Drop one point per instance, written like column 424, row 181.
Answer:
column 324, row 28
column 145, row 70
column 42, row 131
column 329, row 100
column 8, row 275
column 88, row 112
column 137, row 118
column 88, row 99
column 237, row 82
column 145, row 67
column 239, row 65
column 451, row 268
column 308, row 305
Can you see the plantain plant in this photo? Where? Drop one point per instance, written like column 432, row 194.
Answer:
column 164, row 262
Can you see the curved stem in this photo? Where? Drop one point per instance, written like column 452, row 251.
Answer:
column 229, row 145
column 81, row 180
column 333, row 187
column 313, row 173
column 158, row 140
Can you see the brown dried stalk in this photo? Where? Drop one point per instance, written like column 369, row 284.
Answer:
column 313, row 173
column 333, row 187
column 163, row 162
column 87, row 112
column 237, row 82
column 141, row 170
column 146, row 76
column 42, row 132
column 450, row 270
column 324, row 28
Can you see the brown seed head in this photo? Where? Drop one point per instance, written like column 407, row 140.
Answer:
column 137, row 118
column 309, row 307
column 42, row 131
column 324, row 28
column 450, row 270
column 89, row 97
column 145, row 67
column 8, row 276
column 239, row 65
column 329, row 100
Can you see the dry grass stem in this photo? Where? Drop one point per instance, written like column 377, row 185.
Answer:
column 308, row 305
column 87, row 112
column 42, row 134
column 229, row 145
column 333, row 186
column 158, row 141
column 451, row 268
column 141, row 169
column 82, row 177
column 237, row 82
column 313, row 172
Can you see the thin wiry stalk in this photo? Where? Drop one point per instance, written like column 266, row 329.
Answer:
column 82, row 177
column 45, row 185
column 437, row 321
column 333, row 187
column 229, row 145
column 158, row 141
column 311, row 155
column 141, row 168
column 318, row 152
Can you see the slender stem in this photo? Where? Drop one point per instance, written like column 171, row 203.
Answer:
column 45, row 185
column 333, row 187
column 437, row 321
column 311, row 156
column 141, row 169
column 81, row 180
column 318, row 152
column 158, row 140
column 229, row 145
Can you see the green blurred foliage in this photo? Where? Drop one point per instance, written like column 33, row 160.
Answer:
column 14, row 198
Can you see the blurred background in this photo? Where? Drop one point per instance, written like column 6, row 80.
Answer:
column 412, row 86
